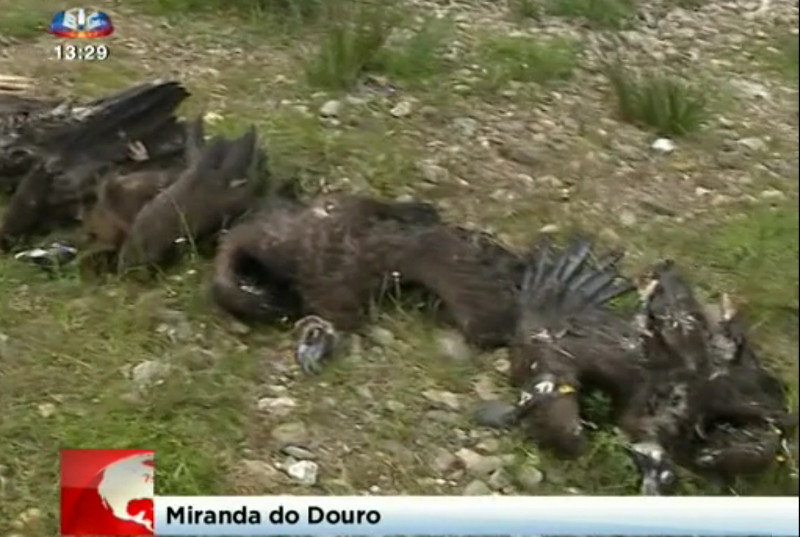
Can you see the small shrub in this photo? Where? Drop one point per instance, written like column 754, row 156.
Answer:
column 416, row 59
column 525, row 9
column 351, row 42
column 598, row 13
column 279, row 10
column 527, row 59
column 670, row 105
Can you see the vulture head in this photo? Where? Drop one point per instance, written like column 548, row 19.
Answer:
column 316, row 343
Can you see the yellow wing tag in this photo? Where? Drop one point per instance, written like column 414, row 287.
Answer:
column 565, row 389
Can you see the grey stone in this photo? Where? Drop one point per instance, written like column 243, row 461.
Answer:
column 294, row 432
column 303, row 472
column 477, row 488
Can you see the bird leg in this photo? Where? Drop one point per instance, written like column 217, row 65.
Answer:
column 655, row 466
column 317, row 341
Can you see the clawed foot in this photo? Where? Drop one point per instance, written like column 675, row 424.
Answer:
column 316, row 343
column 655, row 467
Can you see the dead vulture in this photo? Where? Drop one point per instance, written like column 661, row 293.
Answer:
column 687, row 389
column 220, row 183
column 566, row 341
column 707, row 402
column 53, row 156
column 330, row 257
column 120, row 197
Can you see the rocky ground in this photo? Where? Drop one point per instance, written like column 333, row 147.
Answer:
column 503, row 115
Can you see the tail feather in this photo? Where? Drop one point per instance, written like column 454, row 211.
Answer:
column 565, row 283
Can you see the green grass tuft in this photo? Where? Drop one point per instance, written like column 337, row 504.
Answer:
column 669, row 105
column 526, row 9
column 416, row 59
column 351, row 42
column 528, row 59
column 607, row 14
column 278, row 10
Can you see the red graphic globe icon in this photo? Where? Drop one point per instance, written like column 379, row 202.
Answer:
column 111, row 498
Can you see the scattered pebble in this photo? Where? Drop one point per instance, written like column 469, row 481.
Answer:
column 529, row 478
column 401, row 109
column 754, row 144
column 279, row 406
column 466, row 126
column 304, row 472
column 149, row 373
column 443, row 461
column 46, row 410
column 772, row 194
column 298, row 452
column 452, row 345
column 331, row 109
column 550, row 228
column 433, row 173
column 382, row 336
column 27, row 518
column 262, row 471
column 443, row 399
column 499, row 479
column 484, row 386
column 663, row 145
column 477, row 464
column 295, row 433
column 488, row 445
column 5, row 347
column 627, row 218
column 477, row 488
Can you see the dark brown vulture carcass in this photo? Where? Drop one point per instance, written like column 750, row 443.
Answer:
column 685, row 390
column 220, row 183
column 567, row 341
column 122, row 196
column 707, row 402
column 53, row 155
column 330, row 257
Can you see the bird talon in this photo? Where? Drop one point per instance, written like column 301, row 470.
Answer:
column 316, row 343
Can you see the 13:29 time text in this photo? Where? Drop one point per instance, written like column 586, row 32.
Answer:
column 72, row 52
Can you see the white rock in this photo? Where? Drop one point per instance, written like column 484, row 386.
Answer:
column 331, row 108
column 663, row 145
column 46, row 410
column 401, row 109
column 627, row 218
column 148, row 373
column 772, row 194
column 477, row 488
column 701, row 192
column 549, row 228
column 304, row 472
column 753, row 143
column 443, row 398
column 277, row 405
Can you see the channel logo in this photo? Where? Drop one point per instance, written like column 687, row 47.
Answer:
column 81, row 23
column 107, row 492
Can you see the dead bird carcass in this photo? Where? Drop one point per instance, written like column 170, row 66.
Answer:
column 53, row 155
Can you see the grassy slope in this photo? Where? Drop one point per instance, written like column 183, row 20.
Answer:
column 65, row 344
